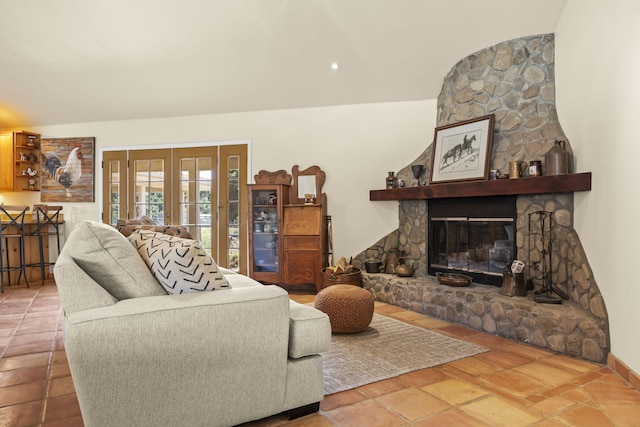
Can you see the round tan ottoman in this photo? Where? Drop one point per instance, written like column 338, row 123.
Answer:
column 350, row 308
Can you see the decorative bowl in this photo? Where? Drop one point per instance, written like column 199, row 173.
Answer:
column 372, row 266
column 452, row 279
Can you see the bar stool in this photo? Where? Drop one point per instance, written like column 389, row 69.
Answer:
column 47, row 224
column 12, row 229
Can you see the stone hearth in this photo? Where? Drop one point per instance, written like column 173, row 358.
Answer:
column 513, row 80
column 565, row 328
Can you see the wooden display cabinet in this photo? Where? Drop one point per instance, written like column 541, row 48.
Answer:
column 266, row 203
column 19, row 161
column 295, row 251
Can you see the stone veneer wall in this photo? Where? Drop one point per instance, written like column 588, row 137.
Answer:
column 515, row 81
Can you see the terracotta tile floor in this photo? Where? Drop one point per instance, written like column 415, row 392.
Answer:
column 511, row 385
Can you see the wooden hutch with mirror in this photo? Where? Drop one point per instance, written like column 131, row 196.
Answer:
column 288, row 242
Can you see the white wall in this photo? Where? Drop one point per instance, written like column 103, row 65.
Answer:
column 598, row 91
column 356, row 145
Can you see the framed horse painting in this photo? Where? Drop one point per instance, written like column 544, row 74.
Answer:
column 462, row 151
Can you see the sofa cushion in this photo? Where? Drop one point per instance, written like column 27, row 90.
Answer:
column 128, row 226
column 180, row 265
column 171, row 230
column 110, row 260
column 309, row 331
column 136, row 221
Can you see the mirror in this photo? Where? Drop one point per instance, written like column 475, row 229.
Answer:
column 306, row 185
column 308, row 181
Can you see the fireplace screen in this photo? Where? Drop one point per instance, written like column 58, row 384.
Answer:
column 473, row 236
column 483, row 245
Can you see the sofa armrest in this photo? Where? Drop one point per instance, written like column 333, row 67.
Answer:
column 161, row 357
column 309, row 331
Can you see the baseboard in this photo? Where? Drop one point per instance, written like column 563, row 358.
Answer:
column 623, row 370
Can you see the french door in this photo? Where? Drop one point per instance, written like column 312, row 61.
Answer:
column 201, row 188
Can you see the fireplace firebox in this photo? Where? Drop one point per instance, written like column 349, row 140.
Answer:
column 473, row 236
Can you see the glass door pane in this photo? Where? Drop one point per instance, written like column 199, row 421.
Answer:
column 149, row 184
column 114, row 186
column 449, row 247
column 233, row 210
column 265, row 230
column 233, row 187
column 195, row 190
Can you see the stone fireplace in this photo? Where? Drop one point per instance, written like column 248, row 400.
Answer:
column 515, row 81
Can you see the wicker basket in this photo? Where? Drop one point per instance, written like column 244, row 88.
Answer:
column 354, row 278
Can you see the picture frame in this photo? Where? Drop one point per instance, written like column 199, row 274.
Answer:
column 67, row 170
column 462, row 151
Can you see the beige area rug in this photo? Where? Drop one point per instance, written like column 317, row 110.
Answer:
column 386, row 349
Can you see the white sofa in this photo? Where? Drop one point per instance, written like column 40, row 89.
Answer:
column 140, row 357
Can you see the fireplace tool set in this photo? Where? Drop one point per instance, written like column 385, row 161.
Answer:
column 548, row 294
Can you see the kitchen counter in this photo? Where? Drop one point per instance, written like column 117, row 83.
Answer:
column 31, row 250
column 29, row 219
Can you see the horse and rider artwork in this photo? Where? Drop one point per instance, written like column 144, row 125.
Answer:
column 462, row 150
column 461, row 155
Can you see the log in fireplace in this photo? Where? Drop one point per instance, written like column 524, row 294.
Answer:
column 473, row 236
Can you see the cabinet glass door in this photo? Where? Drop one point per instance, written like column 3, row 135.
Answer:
column 264, row 230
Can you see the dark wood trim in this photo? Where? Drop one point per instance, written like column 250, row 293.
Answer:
column 568, row 183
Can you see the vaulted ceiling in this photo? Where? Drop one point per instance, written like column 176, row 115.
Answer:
column 71, row 61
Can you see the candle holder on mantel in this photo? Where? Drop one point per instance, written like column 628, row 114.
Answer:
column 540, row 226
column 417, row 171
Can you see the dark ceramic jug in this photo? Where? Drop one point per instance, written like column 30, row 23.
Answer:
column 556, row 161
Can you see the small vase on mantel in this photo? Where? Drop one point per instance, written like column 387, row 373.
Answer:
column 392, row 181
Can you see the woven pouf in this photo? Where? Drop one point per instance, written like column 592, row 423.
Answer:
column 350, row 308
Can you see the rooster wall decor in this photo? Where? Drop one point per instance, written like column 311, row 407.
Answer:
column 68, row 173
column 67, row 166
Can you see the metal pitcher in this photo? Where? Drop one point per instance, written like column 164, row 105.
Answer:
column 513, row 284
column 392, row 259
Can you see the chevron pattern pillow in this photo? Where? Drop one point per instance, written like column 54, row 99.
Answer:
column 180, row 265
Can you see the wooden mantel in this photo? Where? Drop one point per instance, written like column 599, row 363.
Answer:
column 568, row 183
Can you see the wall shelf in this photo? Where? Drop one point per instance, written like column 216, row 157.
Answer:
column 568, row 183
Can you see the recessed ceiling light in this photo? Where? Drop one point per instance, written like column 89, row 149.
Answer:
column 335, row 66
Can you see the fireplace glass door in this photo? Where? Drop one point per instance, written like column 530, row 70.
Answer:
column 482, row 245
column 473, row 236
